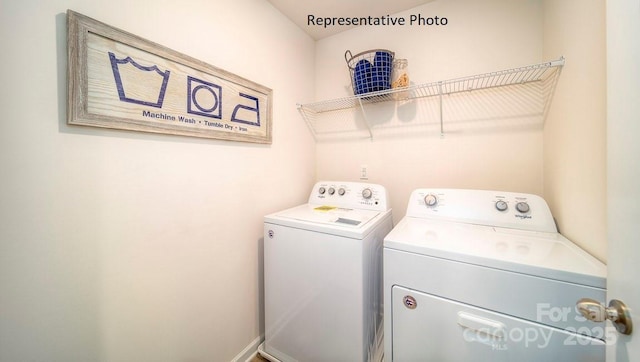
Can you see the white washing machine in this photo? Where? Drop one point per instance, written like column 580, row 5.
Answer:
column 485, row 276
column 323, row 275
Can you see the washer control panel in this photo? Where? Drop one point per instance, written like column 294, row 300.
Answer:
column 355, row 195
column 491, row 208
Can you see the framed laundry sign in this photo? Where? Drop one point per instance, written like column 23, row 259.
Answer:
column 119, row 80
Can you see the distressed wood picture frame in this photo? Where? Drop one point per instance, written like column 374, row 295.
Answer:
column 119, row 80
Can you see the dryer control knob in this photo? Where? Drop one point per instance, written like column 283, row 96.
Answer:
column 322, row 190
column 341, row 191
column 522, row 207
column 502, row 205
column 367, row 193
column 431, row 200
column 332, row 191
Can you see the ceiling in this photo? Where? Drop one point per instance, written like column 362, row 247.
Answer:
column 298, row 10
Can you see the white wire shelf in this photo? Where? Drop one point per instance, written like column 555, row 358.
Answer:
column 346, row 117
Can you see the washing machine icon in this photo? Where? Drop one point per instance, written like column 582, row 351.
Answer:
column 128, row 73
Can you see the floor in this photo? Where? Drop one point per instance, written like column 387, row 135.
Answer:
column 258, row 358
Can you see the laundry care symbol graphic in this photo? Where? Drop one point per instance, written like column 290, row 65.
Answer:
column 147, row 85
column 153, row 76
column 204, row 98
column 254, row 118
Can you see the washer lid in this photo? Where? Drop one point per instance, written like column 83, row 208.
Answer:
column 542, row 254
column 327, row 218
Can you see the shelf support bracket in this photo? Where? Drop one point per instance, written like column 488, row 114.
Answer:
column 440, row 99
column 366, row 119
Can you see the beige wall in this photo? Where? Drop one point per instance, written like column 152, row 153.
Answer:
column 481, row 36
column 122, row 246
column 575, row 132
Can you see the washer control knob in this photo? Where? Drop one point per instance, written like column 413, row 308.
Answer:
column 322, row 190
column 430, row 200
column 522, row 207
column 341, row 191
column 501, row 205
column 367, row 193
column 332, row 191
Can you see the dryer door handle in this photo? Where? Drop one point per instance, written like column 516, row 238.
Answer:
column 482, row 325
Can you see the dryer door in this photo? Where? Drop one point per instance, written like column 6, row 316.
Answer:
column 430, row 328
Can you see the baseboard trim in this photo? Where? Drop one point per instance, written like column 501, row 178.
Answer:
column 250, row 351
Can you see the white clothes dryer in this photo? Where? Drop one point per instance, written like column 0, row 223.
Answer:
column 323, row 275
column 485, row 276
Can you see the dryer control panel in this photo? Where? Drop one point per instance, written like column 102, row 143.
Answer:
column 354, row 195
column 490, row 208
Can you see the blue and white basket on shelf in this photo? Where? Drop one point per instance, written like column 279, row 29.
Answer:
column 370, row 70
